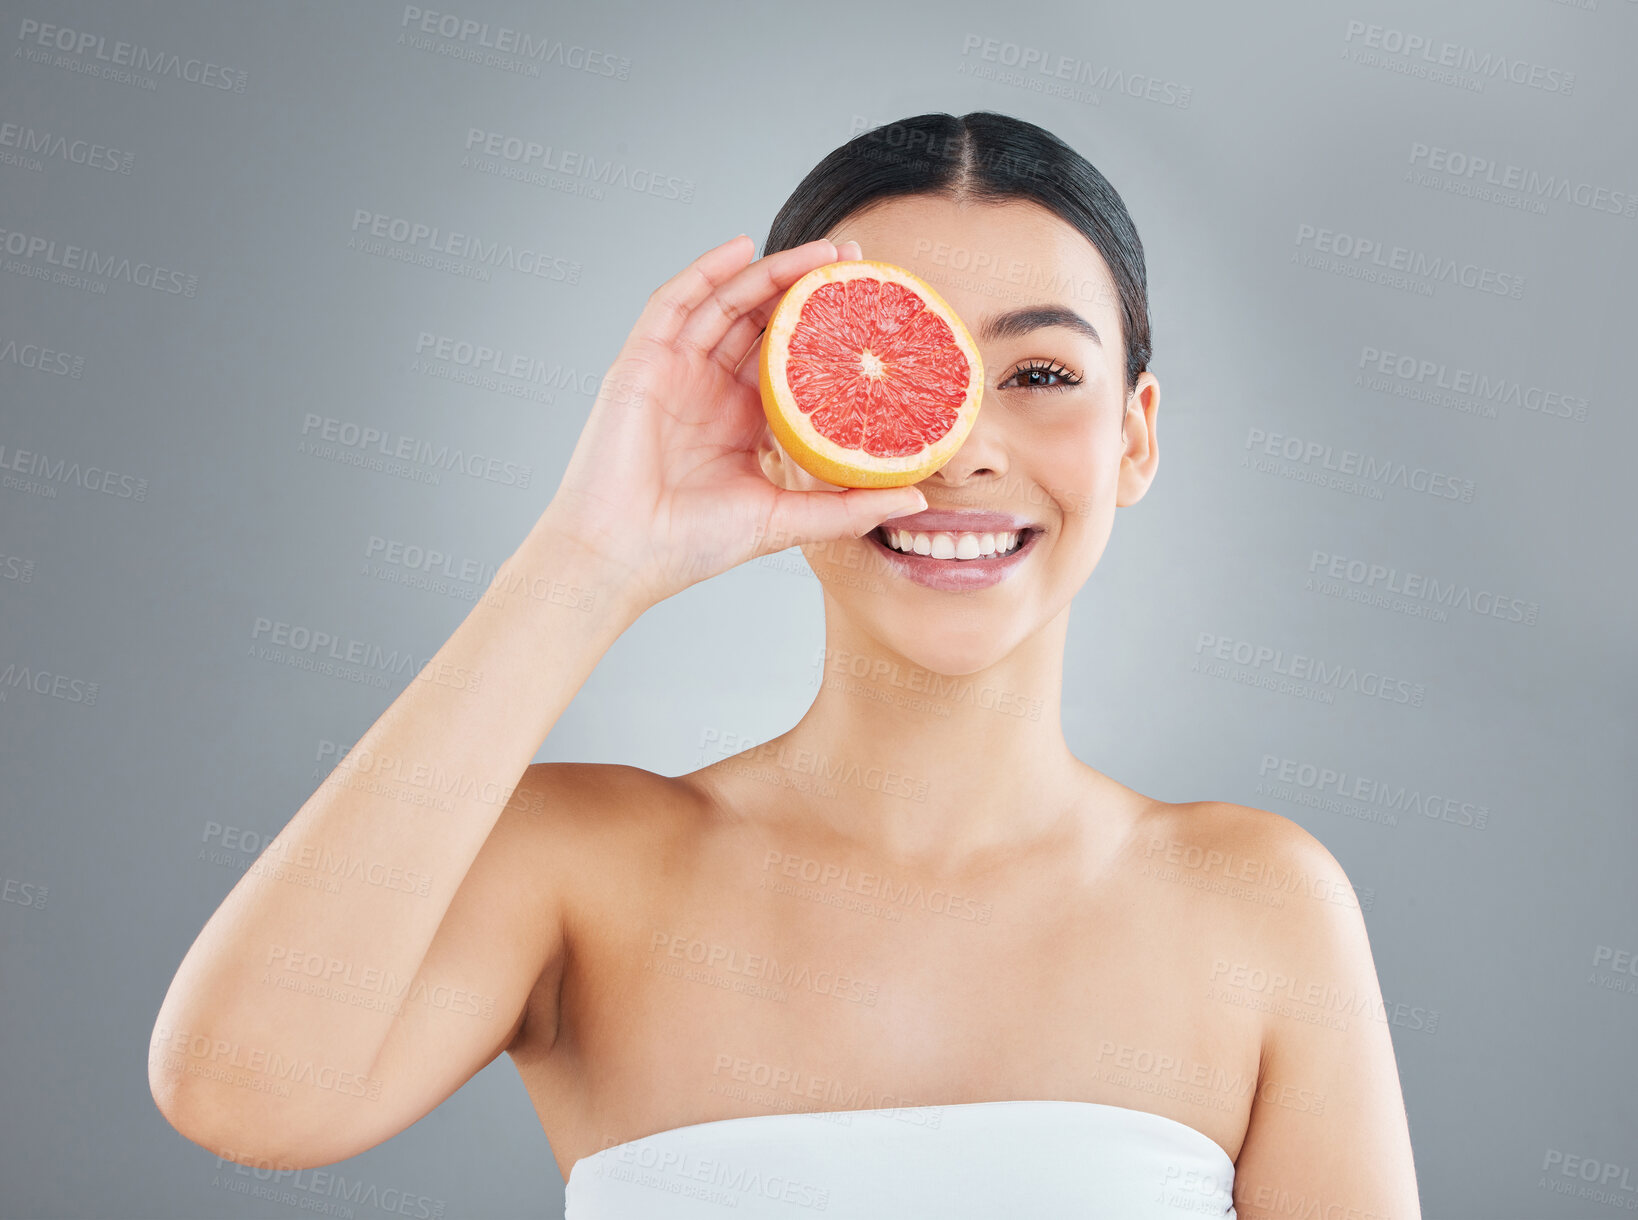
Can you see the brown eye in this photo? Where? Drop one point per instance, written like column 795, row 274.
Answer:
column 1043, row 375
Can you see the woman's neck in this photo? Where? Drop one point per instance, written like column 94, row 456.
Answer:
column 933, row 767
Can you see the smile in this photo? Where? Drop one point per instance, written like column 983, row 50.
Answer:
column 945, row 545
column 950, row 560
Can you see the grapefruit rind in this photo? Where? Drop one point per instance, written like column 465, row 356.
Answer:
column 812, row 450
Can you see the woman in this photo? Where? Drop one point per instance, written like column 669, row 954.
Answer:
column 912, row 957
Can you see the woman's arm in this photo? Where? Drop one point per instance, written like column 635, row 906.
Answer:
column 308, row 1021
column 1328, row 1133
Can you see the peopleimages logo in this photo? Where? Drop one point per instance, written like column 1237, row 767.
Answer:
column 278, row 1182
column 180, row 1050
column 1467, row 389
column 340, row 436
column 1461, row 168
column 1054, row 74
column 1610, row 963
column 1320, row 780
column 41, row 359
column 1607, row 1182
column 76, row 264
column 414, row 235
column 749, row 751
column 779, row 1078
column 1353, row 463
column 1424, row 52
column 44, row 682
column 524, row 157
column 55, row 147
column 52, row 472
column 40, row 39
column 1356, row 253
column 790, row 976
column 279, row 639
column 491, row 367
column 1418, row 586
column 877, row 886
column 1310, row 670
column 495, row 45
column 942, row 688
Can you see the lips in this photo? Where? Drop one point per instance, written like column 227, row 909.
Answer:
column 956, row 575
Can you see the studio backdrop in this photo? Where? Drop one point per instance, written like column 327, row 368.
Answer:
column 304, row 306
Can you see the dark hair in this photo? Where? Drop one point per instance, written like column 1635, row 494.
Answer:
column 988, row 158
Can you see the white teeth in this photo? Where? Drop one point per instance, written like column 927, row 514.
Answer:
column 954, row 546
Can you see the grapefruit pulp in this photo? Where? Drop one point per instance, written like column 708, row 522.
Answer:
column 868, row 377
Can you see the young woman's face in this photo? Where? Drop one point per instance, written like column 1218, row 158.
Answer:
column 1058, row 442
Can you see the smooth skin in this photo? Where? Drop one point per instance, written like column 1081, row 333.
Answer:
column 964, row 912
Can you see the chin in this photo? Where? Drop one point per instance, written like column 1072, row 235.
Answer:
column 951, row 641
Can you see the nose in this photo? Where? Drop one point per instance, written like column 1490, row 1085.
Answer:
column 983, row 453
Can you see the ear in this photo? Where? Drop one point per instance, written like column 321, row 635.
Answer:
column 1141, row 456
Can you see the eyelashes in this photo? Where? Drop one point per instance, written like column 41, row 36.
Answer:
column 1036, row 373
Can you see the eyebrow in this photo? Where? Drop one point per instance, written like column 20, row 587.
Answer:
column 1017, row 322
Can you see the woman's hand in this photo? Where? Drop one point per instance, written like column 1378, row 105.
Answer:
column 664, row 482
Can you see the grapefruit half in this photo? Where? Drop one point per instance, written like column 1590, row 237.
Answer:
column 869, row 379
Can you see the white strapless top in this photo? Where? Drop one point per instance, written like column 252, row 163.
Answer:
column 990, row 1159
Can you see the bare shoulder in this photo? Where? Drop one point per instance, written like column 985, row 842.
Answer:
column 580, row 823
column 1327, row 1120
column 585, row 784
column 1281, row 929
column 1242, row 826
column 1297, row 893
column 567, row 802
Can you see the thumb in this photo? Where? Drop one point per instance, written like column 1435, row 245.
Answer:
column 820, row 516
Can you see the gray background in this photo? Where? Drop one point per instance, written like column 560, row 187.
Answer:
column 108, row 855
